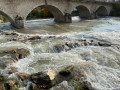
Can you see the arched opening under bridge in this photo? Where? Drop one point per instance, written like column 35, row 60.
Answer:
column 46, row 11
column 80, row 12
column 101, row 11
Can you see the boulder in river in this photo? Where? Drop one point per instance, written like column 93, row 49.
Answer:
column 70, row 45
column 104, row 44
column 75, row 78
column 67, row 71
column 79, row 43
column 41, row 79
column 51, row 74
column 23, row 76
column 8, row 33
column 34, row 38
column 64, row 75
column 18, row 53
column 61, row 47
column 12, row 70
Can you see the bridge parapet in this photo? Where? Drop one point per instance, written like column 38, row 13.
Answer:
column 96, row 1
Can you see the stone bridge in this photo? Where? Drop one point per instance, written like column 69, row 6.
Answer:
column 16, row 11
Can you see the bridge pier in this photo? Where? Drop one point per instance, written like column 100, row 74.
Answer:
column 93, row 15
column 67, row 18
column 19, row 22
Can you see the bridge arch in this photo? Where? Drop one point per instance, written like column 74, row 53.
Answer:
column 7, row 17
column 102, row 11
column 84, row 11
column 57, row 13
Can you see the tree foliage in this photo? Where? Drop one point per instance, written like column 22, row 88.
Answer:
column 39, row 13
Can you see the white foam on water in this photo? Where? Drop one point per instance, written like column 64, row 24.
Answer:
column 76, row 19
column 101, row 64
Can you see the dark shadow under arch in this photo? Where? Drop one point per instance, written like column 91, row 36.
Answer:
column 101, row 11
column 83, row 12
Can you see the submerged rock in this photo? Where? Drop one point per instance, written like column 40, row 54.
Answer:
column 59, row 47
column 4, row 62
column 18, row 53
column 8, row 33
column 67, row 71
column 79, row 43
column 62, row 86
column 75, row 75
column 9, row 61
column 34, row 38
column 23, row 76
column 52, row 37
column 12, row 70
column 70, row 45
column 104, row 44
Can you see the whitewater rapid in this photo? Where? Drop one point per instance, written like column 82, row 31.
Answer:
column 101, row 64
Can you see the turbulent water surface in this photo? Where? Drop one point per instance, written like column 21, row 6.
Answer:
column 101, row 64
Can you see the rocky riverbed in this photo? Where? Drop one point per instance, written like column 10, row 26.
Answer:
column 73, row 76
column 82, row 56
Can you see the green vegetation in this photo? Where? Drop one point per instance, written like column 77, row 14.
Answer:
column 52, row 83
column 77, row 85
column 15, row 87
column 3, row 19
column 1, row 78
